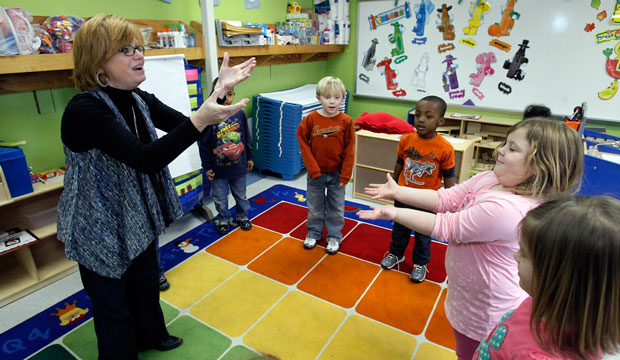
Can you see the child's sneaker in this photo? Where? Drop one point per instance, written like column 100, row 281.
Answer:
column 310, row 243
column 390, row 261
column 332, row 247
column 222, row 227
column 244, row 223
column 418, row 274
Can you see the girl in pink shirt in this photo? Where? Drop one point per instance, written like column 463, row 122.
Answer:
column 568, row 263
column 479, row 219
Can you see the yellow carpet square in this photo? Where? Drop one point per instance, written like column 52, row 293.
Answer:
column 431, row 351
column 296, row 328
column 236, row 305
column 194, row 278
column 362, row 338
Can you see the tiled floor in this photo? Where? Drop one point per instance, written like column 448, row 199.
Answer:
column 260, row 291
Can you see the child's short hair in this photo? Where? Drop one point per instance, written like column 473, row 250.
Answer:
column 437, row 100
column 535, row 110
column 573, row 244
column 330, row 85
column 555, row 156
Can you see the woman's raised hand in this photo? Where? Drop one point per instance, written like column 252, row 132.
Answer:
column 387, row 212
column 210, row 112
column 382, row 191
column 231, row 76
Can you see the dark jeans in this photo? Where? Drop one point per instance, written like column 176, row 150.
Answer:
column 400, row 239
column 126, row 311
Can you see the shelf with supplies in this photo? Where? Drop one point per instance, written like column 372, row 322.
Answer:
column 51, row 71
column 267, row 55
column 376, row 153
column 279, row 54
column 29, row 267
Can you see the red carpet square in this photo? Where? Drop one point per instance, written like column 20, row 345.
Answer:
column 302, row 231
column 253, row 243
column 394, row 300
column 339, row 279
column 439, row 329
column 367, row 242
column 436, row 269
column 371, row 243
column 282, row 218
column 287, row 261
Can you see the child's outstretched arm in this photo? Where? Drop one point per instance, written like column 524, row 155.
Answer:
column 420, row 198
column 418, row 221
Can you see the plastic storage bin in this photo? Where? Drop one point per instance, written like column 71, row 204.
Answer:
column 41, row 213
column 13, row 163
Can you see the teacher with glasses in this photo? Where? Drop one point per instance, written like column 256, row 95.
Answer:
column 119, row 195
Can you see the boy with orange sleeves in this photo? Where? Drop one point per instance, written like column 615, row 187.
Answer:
column 327, row 142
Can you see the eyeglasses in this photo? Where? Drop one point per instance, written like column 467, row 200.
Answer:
column 130, row 50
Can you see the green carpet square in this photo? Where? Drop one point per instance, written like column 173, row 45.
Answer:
column 199, row 342
column 56, row 352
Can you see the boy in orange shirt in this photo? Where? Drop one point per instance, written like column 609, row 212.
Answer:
column 327, row 142
column 424, row 158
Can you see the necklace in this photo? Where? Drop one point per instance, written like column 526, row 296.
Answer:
column 135, row 123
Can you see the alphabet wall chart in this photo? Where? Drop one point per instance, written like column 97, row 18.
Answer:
column 493, row 54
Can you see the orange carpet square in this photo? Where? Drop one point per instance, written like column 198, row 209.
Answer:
column 339, row 279
column 253, row 243
column 282, row 218
column 439, row 329
column 287, row 261
column 394, row 300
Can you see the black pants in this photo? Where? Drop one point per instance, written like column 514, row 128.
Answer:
column 126, row 311
column 400, row 239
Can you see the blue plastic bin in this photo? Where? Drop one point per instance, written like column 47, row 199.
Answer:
column 15, row 169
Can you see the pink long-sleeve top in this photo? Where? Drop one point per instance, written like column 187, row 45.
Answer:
column 481, row 226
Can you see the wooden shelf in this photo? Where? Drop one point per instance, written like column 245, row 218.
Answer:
column 280, row 54
column 39, row 189
column 51, row 71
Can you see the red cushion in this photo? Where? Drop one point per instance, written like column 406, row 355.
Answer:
column 383, row 123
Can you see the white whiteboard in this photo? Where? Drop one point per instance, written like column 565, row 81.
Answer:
column 165, row 78
column 566, row 66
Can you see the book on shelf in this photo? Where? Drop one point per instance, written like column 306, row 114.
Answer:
column 466, row 116
column 15, row 238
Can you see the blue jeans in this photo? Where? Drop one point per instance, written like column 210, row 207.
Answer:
column 325, row 212
column 219, row 192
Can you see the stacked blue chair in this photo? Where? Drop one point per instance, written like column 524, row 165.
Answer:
column 275, row 118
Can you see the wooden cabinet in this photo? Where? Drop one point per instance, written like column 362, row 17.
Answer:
column 487, row 132
column 35, row 265
column 375, row 155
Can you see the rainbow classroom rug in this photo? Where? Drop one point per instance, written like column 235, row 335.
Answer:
column 246, row 293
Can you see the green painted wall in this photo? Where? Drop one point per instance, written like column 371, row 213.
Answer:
column 20, row 120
